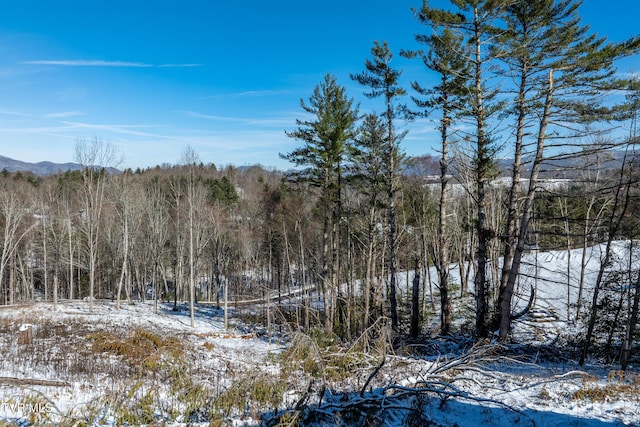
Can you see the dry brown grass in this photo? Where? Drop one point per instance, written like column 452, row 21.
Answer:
column 153, row 375
column 619, row 385
column 140, row 349
column 75, row 349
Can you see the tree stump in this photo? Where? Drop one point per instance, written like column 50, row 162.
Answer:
column 25, row 335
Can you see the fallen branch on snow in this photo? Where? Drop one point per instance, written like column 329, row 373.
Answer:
column 33, row 381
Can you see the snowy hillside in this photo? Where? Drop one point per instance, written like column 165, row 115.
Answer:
column 135, row 366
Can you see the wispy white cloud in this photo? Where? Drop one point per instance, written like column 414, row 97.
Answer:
column 179, row 65
column 70, row 131
column 63, row 114
column 102, row 63
column 13, row 113
column 259, row 93
column 86, row 63
column 121, row 129
column 248, row 93
column 211, row 117
column 284, row 121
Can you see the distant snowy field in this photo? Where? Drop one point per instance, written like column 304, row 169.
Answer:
column 62, row 377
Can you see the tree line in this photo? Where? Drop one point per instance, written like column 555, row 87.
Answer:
column 524, row 92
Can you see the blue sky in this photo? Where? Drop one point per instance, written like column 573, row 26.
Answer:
column 224, row 77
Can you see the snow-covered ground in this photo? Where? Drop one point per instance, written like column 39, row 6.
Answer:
column 133, row 366
column 63, row 354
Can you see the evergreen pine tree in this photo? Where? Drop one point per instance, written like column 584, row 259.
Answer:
column 326, row 139
column 382, row 79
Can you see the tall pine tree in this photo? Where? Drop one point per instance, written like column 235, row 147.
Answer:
column 368, row 170
column 325, row 140
column 382, row 80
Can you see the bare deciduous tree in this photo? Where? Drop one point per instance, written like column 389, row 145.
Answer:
column 95, row 156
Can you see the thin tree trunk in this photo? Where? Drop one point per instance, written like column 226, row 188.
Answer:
column 333, row 290
column 268, row 297
column 505, row 302
column 192, row 284
column 392, row 218
column 482, row 283
column 415, row 301
column 125, row 257
column 324, row 280
column 511, row 231
column 55, row 290
column 70, row 228
column 303, row 277
column 44, row 255
column 443, row 239
column 156, row 287
column 226, row 303
column 336, row 265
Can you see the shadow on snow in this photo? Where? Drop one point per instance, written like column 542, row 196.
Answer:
column 417, row 409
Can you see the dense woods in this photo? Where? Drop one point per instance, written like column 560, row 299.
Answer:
column 525, row 102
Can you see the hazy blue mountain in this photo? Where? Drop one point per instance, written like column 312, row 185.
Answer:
column 40, row 168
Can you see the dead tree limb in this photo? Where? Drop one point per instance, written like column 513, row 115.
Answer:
column 33, row 381
column 372, row 375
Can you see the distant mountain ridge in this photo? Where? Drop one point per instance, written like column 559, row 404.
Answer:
column 40, row 168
